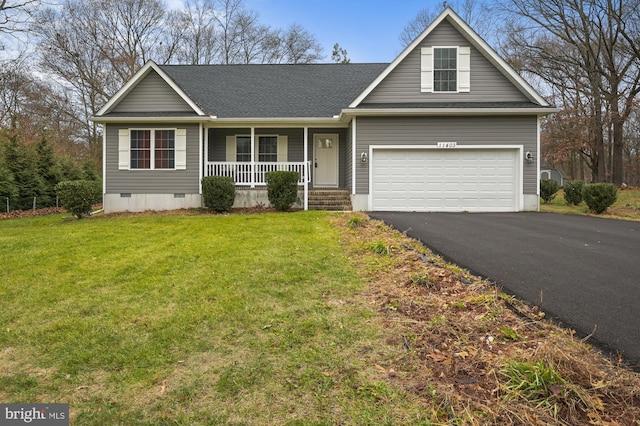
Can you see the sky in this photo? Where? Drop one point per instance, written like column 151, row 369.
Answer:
column 368, row 29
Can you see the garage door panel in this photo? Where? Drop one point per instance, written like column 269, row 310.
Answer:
column 444, row 180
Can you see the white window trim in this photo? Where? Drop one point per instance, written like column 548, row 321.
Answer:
column 433, row 67
column 179, row 149
column 463, row 69
column 281, row 148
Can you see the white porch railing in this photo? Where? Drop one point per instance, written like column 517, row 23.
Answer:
column 253, row 174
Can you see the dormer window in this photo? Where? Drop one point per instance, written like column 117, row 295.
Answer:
column 445, row 69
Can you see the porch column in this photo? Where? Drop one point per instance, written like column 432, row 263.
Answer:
column 306, row 168
column 253, row 157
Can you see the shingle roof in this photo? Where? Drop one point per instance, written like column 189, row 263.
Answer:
column 268, row 91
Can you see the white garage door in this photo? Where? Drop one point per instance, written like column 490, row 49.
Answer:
column 452, row 180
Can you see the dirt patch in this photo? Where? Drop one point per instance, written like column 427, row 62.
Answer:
column 459, row 334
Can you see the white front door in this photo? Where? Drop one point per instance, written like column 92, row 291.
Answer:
column 325, row 160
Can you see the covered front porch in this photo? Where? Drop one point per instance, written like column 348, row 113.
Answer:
column 246, row 154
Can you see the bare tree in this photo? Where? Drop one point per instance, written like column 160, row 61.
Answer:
column 475, row 12
column 591, row 44
column 300, row 47
column 194, row 29
column 16, row 14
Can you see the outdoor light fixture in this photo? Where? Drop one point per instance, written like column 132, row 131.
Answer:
column 528, row 156
column 364, row 157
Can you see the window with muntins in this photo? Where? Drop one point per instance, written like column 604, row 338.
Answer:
column 153, row 149
column 445, row 69
column 165, row 149
column 141, row 149
column 243, row 148
column 268, row 149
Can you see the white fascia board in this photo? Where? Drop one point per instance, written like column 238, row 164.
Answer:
column 446, row 111
column 149, row 119
column 279, row 122
column 133, row 82
column 478, row 43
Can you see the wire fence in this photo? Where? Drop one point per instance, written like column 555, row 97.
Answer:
column 9, row 204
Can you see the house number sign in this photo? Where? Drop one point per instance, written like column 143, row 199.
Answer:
column 447, row 144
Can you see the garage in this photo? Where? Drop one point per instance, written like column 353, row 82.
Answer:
column 452, row 180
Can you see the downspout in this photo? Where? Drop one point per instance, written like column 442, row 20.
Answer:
column 537, row 162
column 104, row 163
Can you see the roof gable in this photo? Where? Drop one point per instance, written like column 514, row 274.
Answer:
column 149, row 79
column 448, row 18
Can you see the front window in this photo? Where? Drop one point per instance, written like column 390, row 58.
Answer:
column 165, row 153
column 153, row 149
column 445, row 69
column 268, row 149
column 243, row 148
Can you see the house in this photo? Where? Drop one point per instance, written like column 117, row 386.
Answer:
column 447, row 126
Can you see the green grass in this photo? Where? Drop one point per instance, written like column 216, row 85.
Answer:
column 237, row 319
column 627, row 206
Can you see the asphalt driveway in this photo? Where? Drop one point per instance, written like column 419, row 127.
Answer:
column 582, row 271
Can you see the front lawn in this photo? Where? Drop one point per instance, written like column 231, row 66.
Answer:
column 245, row 319
column 304, row 318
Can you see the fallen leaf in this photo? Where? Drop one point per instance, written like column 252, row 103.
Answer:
column 437, row 357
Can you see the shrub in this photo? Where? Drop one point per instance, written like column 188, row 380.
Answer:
column 573, row 192
column 599, row 196
column 78, row 196
column 218, row 192
column 548, row 189
column 282, row 189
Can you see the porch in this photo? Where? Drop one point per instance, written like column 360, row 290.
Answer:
column 246, row 154
column 250, row 179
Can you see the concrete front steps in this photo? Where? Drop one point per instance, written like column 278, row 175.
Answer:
column 330, row 199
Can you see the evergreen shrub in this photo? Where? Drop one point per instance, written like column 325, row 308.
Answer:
column 599, row 196
column 78, row 196
column 573, row 192
column 219, row 193
column 548, row 189
column 282, row 189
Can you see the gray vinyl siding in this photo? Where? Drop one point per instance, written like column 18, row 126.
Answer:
column 403, row 83
column 152, row 94
column 152, row 181
column 510, row 130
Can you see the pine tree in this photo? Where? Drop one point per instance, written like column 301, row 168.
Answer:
column 48, row 171
column 21, row 162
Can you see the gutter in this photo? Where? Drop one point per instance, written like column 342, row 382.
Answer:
column 372, row 112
